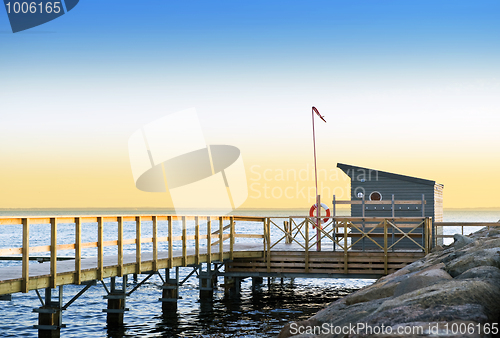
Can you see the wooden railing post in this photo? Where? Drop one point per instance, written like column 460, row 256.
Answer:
column 363, row 208
column 100, row 249
column 265, row 239
column 426, row 236
column 197, row 240
column 26, row 255
column 120, row 246
column 170, row 243
column 287, row 232
column 385, row 247
column 334, row 233
column 53, row 253
column 231, row 238
column 268, row 249
column 334, row 206
column 184, row 241
column 155, row 243
column 429, row 234
column 346, row 270
column 138, row 237
column 393, row 207
column 221, row 238
column 307, row 244
column 209, row 240
column 78, row 250
column 431, row 237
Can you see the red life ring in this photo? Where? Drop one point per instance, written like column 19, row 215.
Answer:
column 313, row 214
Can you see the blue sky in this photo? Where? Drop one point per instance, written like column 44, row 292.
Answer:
column 421, row 77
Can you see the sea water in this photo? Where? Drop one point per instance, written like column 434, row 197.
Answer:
column 259, row 312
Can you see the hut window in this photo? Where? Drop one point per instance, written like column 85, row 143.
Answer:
column 375, row 196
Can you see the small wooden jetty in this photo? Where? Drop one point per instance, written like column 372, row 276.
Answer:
column 213, row 246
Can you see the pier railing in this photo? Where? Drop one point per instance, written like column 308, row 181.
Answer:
column 466, row 228
column 219, row 231
column 348, row 235
column 167, row 241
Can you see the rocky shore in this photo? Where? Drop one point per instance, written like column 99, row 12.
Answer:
column 452, row 292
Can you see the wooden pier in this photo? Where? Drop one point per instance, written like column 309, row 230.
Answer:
column 286, row 247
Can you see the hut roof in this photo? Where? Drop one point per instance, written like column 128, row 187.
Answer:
column 346, row 167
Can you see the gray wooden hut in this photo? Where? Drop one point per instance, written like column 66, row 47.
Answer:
column 372, row 184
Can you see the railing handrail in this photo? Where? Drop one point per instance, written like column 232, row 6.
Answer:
column 220, row 235
column 464, row 224
column 412, row 202
column 218, row 232
column 291, row 232
column 467, row 224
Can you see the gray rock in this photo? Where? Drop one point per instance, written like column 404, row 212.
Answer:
column 421, row 280
column 461, row 241
column 481, row 272
column 337, row 314
column 428, row 329
column 349, row 314
column 473, row 259
column 451, row 293
column 419, row 313
column 437, row 248
column 494, row 232
column 291, row 329
column 487, row 243
column 424, row 292
column 383, row 288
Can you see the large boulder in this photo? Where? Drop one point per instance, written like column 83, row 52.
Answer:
column 474, row 258
column 461, row 241
column 381, row 289
column 458, row 284
column 483, row 272
column 430, row 276
column 337, row 314
column 451, row 293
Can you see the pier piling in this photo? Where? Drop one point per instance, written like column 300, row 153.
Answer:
column 116, row 303
column 206, row 280
column 50, row 316
column 257, row 282
column 170, row 292
column 232, row 286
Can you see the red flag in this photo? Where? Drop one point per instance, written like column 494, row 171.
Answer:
column 317, row 113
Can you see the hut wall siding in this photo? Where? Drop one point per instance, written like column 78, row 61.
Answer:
column 402, row 190
column 402, row 187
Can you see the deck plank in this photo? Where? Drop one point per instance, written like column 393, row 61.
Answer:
column 90, row 263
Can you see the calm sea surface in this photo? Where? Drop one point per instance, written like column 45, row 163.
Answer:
column 255, row 313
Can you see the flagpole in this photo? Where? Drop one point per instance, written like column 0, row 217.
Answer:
column 318, row 203
column 314, row 145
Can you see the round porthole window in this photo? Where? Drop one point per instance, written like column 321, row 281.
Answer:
column 375, row 196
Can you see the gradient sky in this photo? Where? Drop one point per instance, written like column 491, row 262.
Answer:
column 411, row 87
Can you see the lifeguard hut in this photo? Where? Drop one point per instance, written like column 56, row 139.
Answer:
column 376, row 185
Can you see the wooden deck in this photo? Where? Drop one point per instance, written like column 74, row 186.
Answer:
column 40, row 273
column 287, row 246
